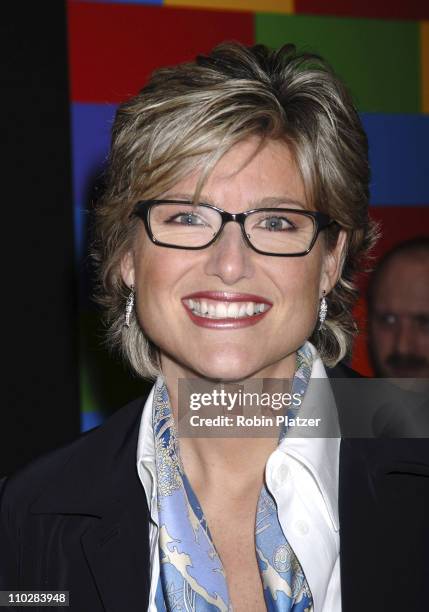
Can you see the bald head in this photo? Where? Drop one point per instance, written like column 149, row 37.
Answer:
column 399, row 313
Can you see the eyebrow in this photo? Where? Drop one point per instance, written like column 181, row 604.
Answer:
column 267, row 202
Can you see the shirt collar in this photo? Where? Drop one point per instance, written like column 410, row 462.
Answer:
column 320, row 455
column 146, row 467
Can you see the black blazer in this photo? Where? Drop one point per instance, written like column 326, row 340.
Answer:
column 77, row 520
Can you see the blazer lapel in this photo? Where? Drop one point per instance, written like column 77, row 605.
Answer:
column 383, row 505
column 117, row 552
column 101, row 480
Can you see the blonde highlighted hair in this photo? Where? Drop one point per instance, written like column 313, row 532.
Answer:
column 191, row 114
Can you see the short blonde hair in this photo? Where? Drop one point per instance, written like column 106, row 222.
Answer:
column 191, row 114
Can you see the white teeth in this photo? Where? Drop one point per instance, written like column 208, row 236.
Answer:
column 242, row 310
column 222, row 310
column 232, row 310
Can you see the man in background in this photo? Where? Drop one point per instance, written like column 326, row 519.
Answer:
column 398, row 311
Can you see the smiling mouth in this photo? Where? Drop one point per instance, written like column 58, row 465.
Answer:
column 220, row 310
column 223, row 310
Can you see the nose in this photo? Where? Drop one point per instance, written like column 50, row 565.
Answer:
column 405, row 337
column 229, row 257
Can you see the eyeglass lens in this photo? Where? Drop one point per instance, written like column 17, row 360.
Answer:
column 269, row 230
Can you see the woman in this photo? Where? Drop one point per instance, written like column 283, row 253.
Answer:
column 234, row 219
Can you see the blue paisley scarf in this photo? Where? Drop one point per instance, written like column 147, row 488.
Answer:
column 191, row 574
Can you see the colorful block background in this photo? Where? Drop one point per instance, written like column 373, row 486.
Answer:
column 380, row 49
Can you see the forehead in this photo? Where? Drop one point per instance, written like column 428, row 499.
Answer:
column 249, row 173
column 404, row 284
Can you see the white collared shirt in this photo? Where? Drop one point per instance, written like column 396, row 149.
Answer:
column 302, row 475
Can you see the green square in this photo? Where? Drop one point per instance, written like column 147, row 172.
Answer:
column 378, row 59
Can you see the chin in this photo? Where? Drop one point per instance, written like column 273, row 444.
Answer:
column 223, row 368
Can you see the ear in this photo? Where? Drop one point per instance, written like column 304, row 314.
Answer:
column 332, row 264
column 128, row 268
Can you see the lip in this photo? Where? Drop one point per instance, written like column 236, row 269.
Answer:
column 223, row 296
column 228, row 322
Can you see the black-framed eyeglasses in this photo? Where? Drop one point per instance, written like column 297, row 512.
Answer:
column 279, row 231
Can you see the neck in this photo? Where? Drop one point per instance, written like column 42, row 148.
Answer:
column 235, row 456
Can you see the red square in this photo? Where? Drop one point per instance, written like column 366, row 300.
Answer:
column 115, row 47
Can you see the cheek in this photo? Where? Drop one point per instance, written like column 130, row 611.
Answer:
column 159, row 274
column 421, row 343
column 154, row 274
column 157, row 269
column 299, row 285
column 382, row 339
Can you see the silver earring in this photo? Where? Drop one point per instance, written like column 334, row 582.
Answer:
column 323, row 310
column 129, row 306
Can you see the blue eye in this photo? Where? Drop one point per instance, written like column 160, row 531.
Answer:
column 275, row 223
column 185, row 218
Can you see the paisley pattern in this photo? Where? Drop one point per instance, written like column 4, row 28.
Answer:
column 191, row 574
